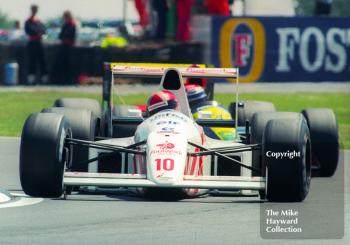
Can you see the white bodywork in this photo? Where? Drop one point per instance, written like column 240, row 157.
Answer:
column 167, row 134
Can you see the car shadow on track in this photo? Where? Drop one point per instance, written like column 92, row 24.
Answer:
column 130, row 197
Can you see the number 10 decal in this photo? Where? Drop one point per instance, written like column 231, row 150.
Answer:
column 165, row 164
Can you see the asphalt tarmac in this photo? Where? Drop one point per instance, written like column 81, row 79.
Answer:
column 126, row 219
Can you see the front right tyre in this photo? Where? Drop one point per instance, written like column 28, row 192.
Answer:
column 43, row 154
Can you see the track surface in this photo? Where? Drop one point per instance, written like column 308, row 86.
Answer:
column 125, row 219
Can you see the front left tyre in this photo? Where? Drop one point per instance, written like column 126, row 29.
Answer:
column 124, row 130
column 287, row 159
column 43, row 154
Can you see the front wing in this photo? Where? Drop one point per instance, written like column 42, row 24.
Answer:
column 140, row 180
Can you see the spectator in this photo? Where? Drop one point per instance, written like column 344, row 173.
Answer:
column 161, row 9
column 112, row 40
column 323, row 7
column 141, row 7
column 16, row 34
column 218, row 7
column 35, row 30
column 67, row 37
column 183, row 8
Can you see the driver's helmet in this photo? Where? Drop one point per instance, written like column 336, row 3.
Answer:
column 160, row 101
column 195, row 94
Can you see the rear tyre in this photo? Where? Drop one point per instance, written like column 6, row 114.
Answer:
column 80, row 103
column 123, row 130
column 84, row 127
column 287, row 177
column 246, row 110
column 43, row 155
column 257, row 127
column 324, row 140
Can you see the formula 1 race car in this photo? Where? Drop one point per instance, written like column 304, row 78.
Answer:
column 75, row 144
column 321, row 123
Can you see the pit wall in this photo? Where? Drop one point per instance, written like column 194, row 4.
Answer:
column 278, row 49
column 88, row 61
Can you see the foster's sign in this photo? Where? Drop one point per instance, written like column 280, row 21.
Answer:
column 283, row 49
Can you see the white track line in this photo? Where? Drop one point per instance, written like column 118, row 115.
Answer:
column 4, row 198
column 22, row 200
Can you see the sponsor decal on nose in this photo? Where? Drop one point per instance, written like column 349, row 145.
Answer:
column 166, row 148
column 166, row 145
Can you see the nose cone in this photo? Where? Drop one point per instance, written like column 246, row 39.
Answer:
column 166, row 157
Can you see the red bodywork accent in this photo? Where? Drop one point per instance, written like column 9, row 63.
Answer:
column 143, row 107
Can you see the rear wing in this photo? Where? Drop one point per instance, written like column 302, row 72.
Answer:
column 189, row 72
column 153, row 70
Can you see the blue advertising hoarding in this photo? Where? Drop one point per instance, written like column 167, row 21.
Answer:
column 283, row 48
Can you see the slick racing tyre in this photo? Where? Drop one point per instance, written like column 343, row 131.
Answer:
column 123, row 130
column 84, row 127
column 288, row 175
column 43, row 155
column 80, row 103
column 246, row 110
column 257, row 127
column 324, row 140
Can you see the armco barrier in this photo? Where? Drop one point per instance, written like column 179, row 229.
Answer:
column 89, row 60
column 282, row 48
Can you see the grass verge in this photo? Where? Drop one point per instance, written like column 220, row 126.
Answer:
column 16, row 106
